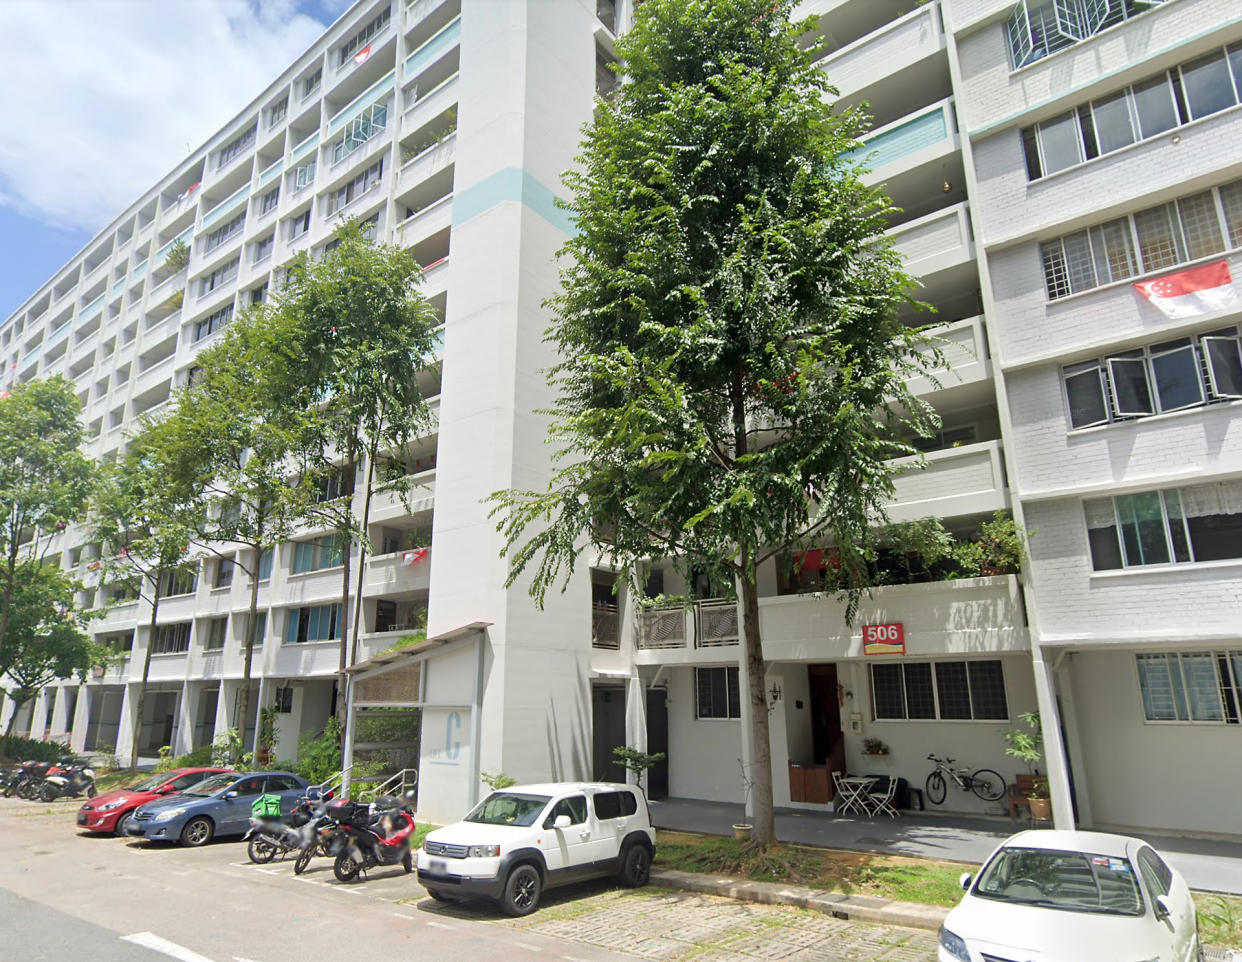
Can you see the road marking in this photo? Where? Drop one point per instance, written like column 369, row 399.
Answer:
column 238, row 958
column 402, row 915
column 441, row 925
column 149, row 940
column 528, row 947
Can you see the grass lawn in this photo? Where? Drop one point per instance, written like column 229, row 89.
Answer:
column 852, row 873
column 118, row 779
column 1220, row 919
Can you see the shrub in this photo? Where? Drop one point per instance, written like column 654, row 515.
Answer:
column 319, row 756
column 19, row 749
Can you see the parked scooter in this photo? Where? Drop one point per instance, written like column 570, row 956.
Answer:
column 379, row 838
column 272, row 835
column 27, row 785
column 329, row 839
column 68, row 783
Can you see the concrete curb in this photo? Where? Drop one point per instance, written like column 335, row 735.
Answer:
column 863, row 908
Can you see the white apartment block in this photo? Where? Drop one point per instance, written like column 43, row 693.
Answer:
column 1027, row 212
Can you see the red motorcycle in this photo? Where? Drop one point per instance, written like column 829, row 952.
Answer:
column 380, row 837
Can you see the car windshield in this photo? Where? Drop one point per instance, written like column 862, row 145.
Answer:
column 149, row 784
column 1072, row 881
column 209, row 786
column 507, row 808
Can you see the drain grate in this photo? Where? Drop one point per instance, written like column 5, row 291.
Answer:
column 1212, row 953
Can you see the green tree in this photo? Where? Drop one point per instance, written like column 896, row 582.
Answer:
column 733, row 373
column 46, row 631
column 44, row 483
column 144, row 533
column 368, row 352
column 232, row 444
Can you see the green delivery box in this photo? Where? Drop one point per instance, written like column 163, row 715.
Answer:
column 266, row 806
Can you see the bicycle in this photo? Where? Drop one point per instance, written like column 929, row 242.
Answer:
column 984, row 782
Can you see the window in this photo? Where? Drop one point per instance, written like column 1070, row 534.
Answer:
column 358, row 131
column 250, row 786
column 268, row 202
column 221, row 234
column 1183, row 373
column 1156, row 873
column 949, row 690
column 1188, row 92
column 1038, row 28
column 224, row 573
column 263, row 248
column 359, row 40
column 575, row 808
column 1191, row 686
column 1202, row 522
column 217, row 631
column 179, row 581
column 171, row 639
column 219, row 277
column 614, row 805
column 284, row 699
column 346, row 195
column 276, row 113
column 234, row 147
column 260, row 628
column 716, row 693
column 265, row 564
column 303, row 176
column 299, row 225
column 333, row 485
column 311, row 83
column 186, row 781
column 1175, row 233
column 315, row 555
column 319, row 623
column 213, row 323
column 258, row 294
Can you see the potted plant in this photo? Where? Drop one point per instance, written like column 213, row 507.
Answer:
column 741, row 830
column 1027, row 745
column 873, row 746
column 632, row 760
column 999, row 548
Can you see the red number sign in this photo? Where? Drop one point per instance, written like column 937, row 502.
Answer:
column 884, row 639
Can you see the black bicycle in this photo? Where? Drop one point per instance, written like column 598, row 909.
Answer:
column 984, row 782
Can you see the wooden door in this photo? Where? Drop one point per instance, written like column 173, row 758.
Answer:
column 825, row 711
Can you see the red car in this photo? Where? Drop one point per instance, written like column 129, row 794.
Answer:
column 108, row 813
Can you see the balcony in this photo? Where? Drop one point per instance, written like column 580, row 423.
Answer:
column 956, row 481
column 935, row 243
column 715, row 624
column 903, row 59
column 389, row 505
column 605, row 627
column 435, row 47
column 397, row 573
column 428, row 162
column 966, row 616
column 432, row 103
column 661, row 628
column 965, row 376
column 435, row 217
column 304, row 148
column 160, row 372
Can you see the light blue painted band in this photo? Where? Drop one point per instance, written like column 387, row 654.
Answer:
column 511, row 184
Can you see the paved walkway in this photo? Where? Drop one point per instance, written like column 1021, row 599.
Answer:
column 1209, row 866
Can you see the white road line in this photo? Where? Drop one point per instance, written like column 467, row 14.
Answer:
column 149, row 940
column 441, row 925
column 238, row 958
column 402, row 915
column 528, row 947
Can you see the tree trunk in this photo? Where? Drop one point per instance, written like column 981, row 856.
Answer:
column 6, row 602
column 350, row 472
column 146, row 672
column 251, row 624
column 763, row 833
column 362, row 555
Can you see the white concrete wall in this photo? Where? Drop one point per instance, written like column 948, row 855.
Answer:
column 703, row 753
column 1179, row 777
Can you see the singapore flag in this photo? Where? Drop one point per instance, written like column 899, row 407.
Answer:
column 1198, row 290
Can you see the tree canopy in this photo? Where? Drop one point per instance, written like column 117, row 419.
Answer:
column 733, row 365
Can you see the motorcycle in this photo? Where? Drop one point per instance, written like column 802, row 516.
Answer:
column 328, row 839
column 68, row 783
column 381, row 837
column 279, row 835
column 27, row 785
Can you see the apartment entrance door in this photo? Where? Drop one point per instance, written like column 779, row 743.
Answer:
column 825, row 715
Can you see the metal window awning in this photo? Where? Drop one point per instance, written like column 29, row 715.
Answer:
column 390, row 659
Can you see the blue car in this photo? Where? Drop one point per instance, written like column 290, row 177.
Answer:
column 218, row 805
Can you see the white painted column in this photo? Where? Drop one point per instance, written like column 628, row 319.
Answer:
column 126, row 750
column 1073, row 738
column 1054, row 752
column 60, row 709
column 82, row 718
column 187, row 711
column 635, row 719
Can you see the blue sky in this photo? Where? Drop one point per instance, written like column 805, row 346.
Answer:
column 115, row 94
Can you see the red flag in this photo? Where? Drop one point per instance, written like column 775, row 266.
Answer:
column 362, row 54
column 413, row 557
column 1197, row 290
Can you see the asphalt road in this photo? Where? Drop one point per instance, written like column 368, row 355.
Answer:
column 66, row 894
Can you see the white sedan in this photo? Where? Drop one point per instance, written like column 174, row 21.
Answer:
column 1048, row 896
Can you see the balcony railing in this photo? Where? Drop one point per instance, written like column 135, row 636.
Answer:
column 430, row 51
column 885, row 52
column 909, row 135
column 715, row 624
column 662, row 628
column 605, row 627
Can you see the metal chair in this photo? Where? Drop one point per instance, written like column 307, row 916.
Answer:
column 882, row 802
column 849, row 798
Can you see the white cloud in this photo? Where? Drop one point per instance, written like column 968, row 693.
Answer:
column 104, row 97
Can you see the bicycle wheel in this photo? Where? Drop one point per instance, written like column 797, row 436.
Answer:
column 988, row 785
column 935, row 788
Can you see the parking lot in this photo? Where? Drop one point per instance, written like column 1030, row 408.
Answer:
column 213, row 905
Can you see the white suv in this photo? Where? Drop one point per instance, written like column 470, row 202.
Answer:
column 520, row 840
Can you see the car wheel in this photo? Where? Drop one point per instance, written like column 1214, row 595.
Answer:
column 635, row 868
column 197, row 831
column 122, row 824
column 521, row 894
column 261, row 850
column 345, row 868
column 303, row 860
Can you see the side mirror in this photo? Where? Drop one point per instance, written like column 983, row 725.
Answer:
column 965, row 880
column 230, row 794
column 1162, row 908
column 561, row 821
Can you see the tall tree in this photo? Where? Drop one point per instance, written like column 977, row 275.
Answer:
column 733, row 366
column 44, row 483
column 234, row 447
column 368, row 341
column 47, row 632
column 144, row 524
